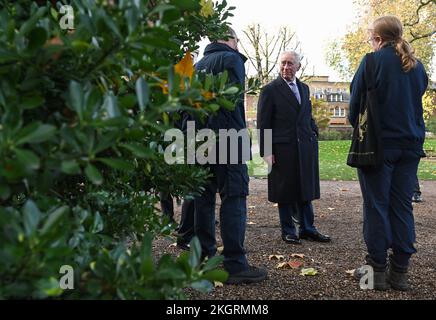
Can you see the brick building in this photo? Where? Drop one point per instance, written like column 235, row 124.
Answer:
column 335, row 94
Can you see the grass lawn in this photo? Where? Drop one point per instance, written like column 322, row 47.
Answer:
column 332, row 162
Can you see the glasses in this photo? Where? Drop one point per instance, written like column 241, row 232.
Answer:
column 370, row 40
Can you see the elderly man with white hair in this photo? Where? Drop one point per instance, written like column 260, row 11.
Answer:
column 285, row 108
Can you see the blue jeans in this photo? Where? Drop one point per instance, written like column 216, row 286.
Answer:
column 387, row 207
column 231, row 181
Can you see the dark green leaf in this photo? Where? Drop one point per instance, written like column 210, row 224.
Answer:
column 93, row 174
column 142, row 93
column 29, row 159
column 5, row 191
column 32, row 102
column 214, row 107
column 213, row 263
column 189, row 5
column 30, row 24
column 226, row 104
column 37, row 38
column 202, row 286
column 76, row 98
column 231, row 90
column 216, row 275
column 36, row 133
column 111, row 106
column 31, row 217
column 195, row 252
column 98, row 223
column 117, row 164
column 131, row 16
column 223, row 80
column 127, row 102
column 70, row 167
column 54, row 218
column 138, row 150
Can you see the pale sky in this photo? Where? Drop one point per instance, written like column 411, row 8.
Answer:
column 316, row 22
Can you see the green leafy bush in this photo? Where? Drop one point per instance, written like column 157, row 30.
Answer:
column 328, row 135
column 82, row 117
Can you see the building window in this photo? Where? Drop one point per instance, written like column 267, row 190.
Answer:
column 339, row 112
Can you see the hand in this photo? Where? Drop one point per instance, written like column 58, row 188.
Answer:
column 270, row 160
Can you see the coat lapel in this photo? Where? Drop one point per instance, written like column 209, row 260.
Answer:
column 286, row 92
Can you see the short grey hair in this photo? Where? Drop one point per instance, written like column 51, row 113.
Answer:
column 295, row 54
column 232, row 32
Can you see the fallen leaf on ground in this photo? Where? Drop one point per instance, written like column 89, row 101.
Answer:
column 173, row 245
column 295, row 264
column 297, row 255
column 289, row 265
column 330, row 209
column 308, row 272
column 218, row 284
column 276, row 257
column 350, row 272
column 251, row 223
column 251, row 207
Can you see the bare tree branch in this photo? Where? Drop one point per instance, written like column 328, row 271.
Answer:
column 416, row 37
column 418, row 18
column 263, row 50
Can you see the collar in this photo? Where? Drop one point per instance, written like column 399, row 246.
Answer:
column 289, row 82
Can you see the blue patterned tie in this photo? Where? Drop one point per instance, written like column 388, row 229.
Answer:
column 295, row 91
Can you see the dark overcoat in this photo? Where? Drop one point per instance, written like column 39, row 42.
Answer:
column 295, row 174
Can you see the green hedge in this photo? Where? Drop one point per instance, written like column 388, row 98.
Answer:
column 82, row 117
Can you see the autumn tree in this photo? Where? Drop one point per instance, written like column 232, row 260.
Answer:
column 419, row 20
column 321, row 112
column 418, row 17
column 263, row 49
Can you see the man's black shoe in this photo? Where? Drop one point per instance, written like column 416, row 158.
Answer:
column 416, row 198
column 251, row 275
column 291, row 239
column 316, row 236
column 183, row 245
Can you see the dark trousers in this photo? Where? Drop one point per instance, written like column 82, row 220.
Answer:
column 232, row 183
column 186, row 226
column 167, row 206
column 300, row 212
column 416, row 188
column 387, row 207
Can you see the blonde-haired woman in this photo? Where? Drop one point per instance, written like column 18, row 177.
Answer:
column 400, row 81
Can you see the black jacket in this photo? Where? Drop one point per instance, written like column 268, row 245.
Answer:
column 399, row 99
column 217, row 58
column 295, row 175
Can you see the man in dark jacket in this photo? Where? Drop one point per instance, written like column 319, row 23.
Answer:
column 285, row 108
column 230, row 180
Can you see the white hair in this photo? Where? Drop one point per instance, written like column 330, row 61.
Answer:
column 295, row 54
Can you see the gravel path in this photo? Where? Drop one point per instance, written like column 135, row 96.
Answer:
column 339, row 215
